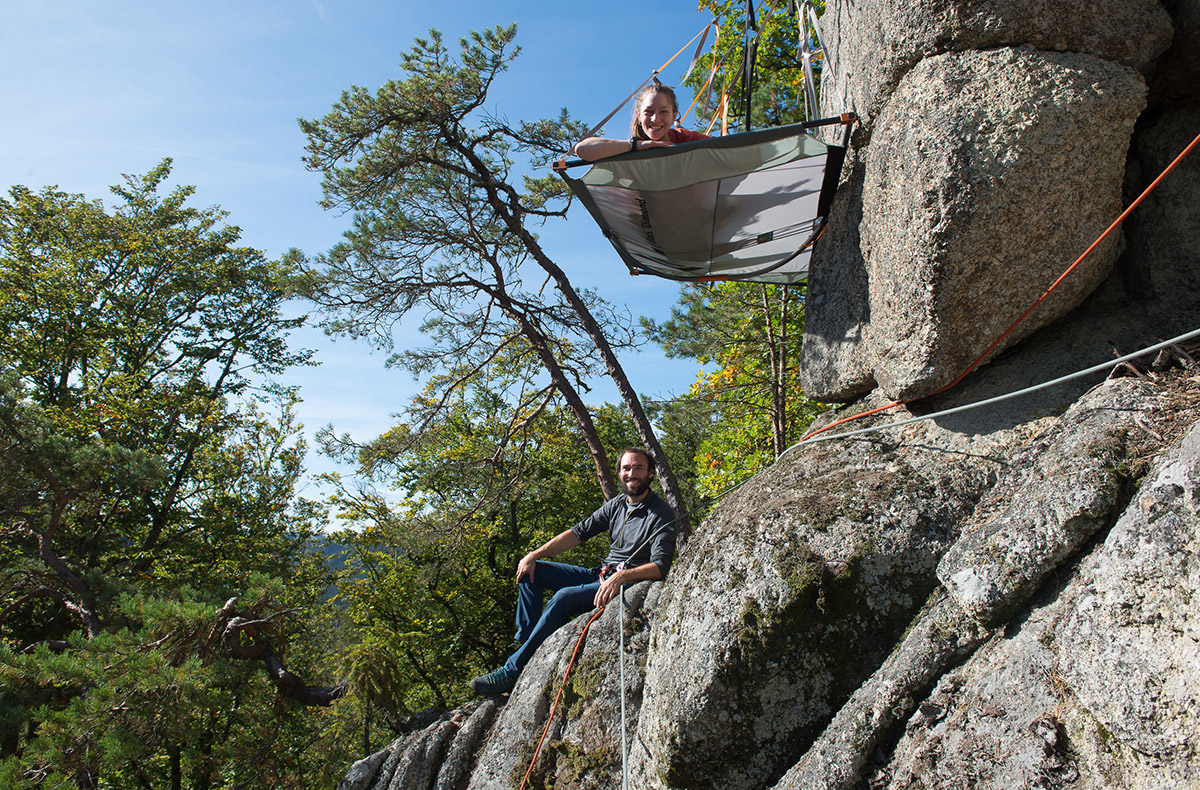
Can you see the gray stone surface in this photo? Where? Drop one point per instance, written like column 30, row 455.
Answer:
column 873, row 45
column 421, row 758
column 1130, row 646
column 993, row 724
column 976, row 199
column 475, row 721
column 363, row 773
column 1061, row 490
column 941, row 637
column 792, row 593
column 1098, row 686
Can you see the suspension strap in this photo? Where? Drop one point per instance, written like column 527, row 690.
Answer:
column 750, row 36
column 702, row 35
column 807, row 54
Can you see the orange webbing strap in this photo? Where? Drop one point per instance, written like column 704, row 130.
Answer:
column 979, row 360
column 558, row 698
column 704, row 92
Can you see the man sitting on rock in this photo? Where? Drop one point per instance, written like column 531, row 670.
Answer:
column 642, row 529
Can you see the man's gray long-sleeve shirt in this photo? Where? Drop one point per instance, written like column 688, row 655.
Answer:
column 640, row 533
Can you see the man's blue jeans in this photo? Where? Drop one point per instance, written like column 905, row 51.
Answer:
column 574, row 593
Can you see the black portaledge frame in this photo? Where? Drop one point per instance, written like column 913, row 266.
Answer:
column 833, row 167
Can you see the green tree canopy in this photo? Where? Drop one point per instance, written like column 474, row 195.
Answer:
column 749, row 334
column 476, row 481
column 147, row 495
column 778, row 93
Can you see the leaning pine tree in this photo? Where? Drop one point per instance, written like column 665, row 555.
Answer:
column 440, row 227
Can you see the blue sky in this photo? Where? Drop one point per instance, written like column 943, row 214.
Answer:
column 95, row 89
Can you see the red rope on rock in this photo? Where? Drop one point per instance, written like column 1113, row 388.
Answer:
column 979, row 360
column 558, row 697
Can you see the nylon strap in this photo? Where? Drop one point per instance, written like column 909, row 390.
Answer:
column 702, row 35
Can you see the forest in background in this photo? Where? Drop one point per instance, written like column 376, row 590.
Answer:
column 168, row 615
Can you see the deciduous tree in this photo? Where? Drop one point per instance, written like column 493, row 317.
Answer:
column 429, row 581
column 778, row 94
column 750, row 334
column 146, row 495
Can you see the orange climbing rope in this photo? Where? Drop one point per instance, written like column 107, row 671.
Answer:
column 979, row 360
column 558, row 697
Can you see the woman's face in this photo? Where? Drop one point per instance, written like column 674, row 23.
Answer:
column 657, row 115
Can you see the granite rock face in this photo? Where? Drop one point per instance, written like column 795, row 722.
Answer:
column 798, row 587
column 1062, row 490
column 1164, row 231
column 968, row 194
column 837, row 359
column 1130, row 645
column 816, row 631
column 873, row 45
column 1097, row 688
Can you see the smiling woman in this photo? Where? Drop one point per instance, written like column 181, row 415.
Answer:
column 653, row 126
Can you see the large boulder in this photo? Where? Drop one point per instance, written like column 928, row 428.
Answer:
column 791, row 594
column 873, row 45
column 1061, row 487
column 987, row 174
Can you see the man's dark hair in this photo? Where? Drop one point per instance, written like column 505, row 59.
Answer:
column 642, row 452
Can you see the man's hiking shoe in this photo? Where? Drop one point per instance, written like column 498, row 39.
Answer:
column 498, row 681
